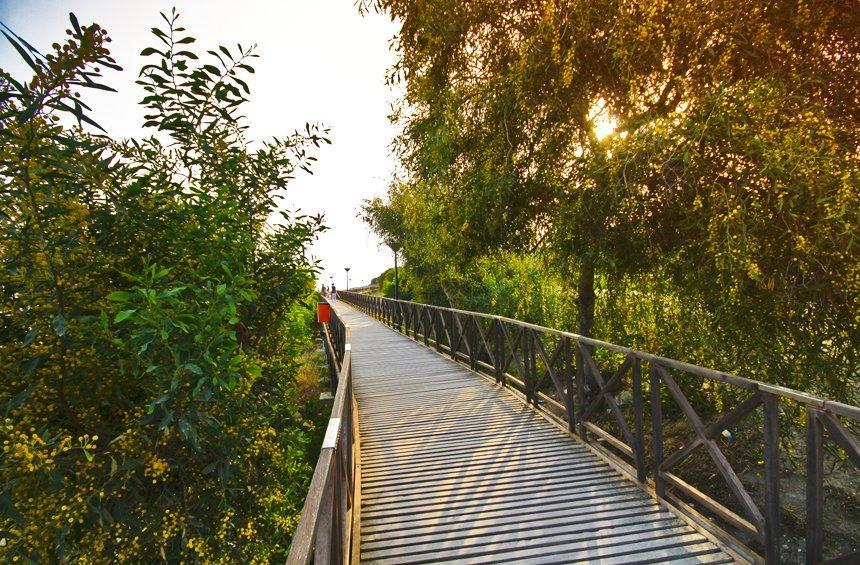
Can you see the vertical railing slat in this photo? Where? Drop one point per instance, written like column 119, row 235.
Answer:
column 638, row 431
column 770, row 406
column 814, row 485
column 657, row 431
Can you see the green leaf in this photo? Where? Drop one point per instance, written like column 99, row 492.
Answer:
column 19, row 398
column 124, row 315
column 7, row 508
column 166, row 421
column 173, row 291
column 194, row 368
column 21, row 50
column 75, row 23
column 120, row 296
column 188, row 431
column 31, row 335
column 59, row 324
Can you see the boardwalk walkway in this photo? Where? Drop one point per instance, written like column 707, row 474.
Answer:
column 453, row 468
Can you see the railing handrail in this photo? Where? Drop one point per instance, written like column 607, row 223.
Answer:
column 524, row 355
column 836, row 407
column 331, row 490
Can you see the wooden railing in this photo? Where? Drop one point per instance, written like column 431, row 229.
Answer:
column 327, row 529
column 558, row 374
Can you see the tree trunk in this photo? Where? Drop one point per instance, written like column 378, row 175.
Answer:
column 585, row 314
column 585, row 298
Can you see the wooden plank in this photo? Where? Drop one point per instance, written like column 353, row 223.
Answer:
column 506, row 547
column 577, row 527
column 521, row 480
column 814, row 486
column 485, row 499
column 473, row 438
column 715, row 507
column 534, row 471
column 507, row 508
column 610, row 439
column 842, row 437
column 587, row 550
column 486, row 468
column 656, row 431
column 534, row 517
column 771, row 478
column 485, row 489
column 638, row 425
column 549, row 449
column 384, row 459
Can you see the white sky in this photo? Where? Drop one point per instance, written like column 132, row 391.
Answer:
column 319, row 61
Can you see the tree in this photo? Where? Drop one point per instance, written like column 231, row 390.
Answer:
column 386, row 222
column 709, row 107
column 153, row 314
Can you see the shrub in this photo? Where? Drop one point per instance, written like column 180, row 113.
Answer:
column 153, row 314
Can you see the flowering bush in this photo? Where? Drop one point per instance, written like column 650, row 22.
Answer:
column 152, row 315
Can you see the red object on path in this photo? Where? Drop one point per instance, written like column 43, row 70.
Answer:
column 323, row 312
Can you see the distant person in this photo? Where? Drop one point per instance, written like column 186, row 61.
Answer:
column 324, row 291
column 333, row 293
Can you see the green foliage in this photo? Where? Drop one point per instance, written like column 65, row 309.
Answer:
column 154, row 310
column 685, row 178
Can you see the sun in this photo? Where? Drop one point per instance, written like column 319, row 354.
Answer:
column 603, row 124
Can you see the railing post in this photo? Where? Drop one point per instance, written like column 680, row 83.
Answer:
column 579, row 374
column 639, row 447
column 455, row 337
column 533, row 365
column 524, row 349
column 770, row 407
column 500, row 352
column 657, row 431
column 568, row 369
column 471, row 339
column 814, row 485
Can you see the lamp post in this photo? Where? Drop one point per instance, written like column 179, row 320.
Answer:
column 347, row 277
column 396, row 285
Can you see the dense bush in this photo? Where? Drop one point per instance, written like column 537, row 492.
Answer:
column 152, row 317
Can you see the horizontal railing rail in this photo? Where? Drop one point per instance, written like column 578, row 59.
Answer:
column 559, row 373
column 326, row 529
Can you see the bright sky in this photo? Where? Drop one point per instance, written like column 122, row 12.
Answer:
column 319, row 61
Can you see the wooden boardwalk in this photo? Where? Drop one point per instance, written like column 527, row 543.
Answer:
column 454, row 468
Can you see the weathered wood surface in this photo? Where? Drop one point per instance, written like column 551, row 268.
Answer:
column 454, row 468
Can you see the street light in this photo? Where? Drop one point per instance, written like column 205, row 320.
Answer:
column 347, row 277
